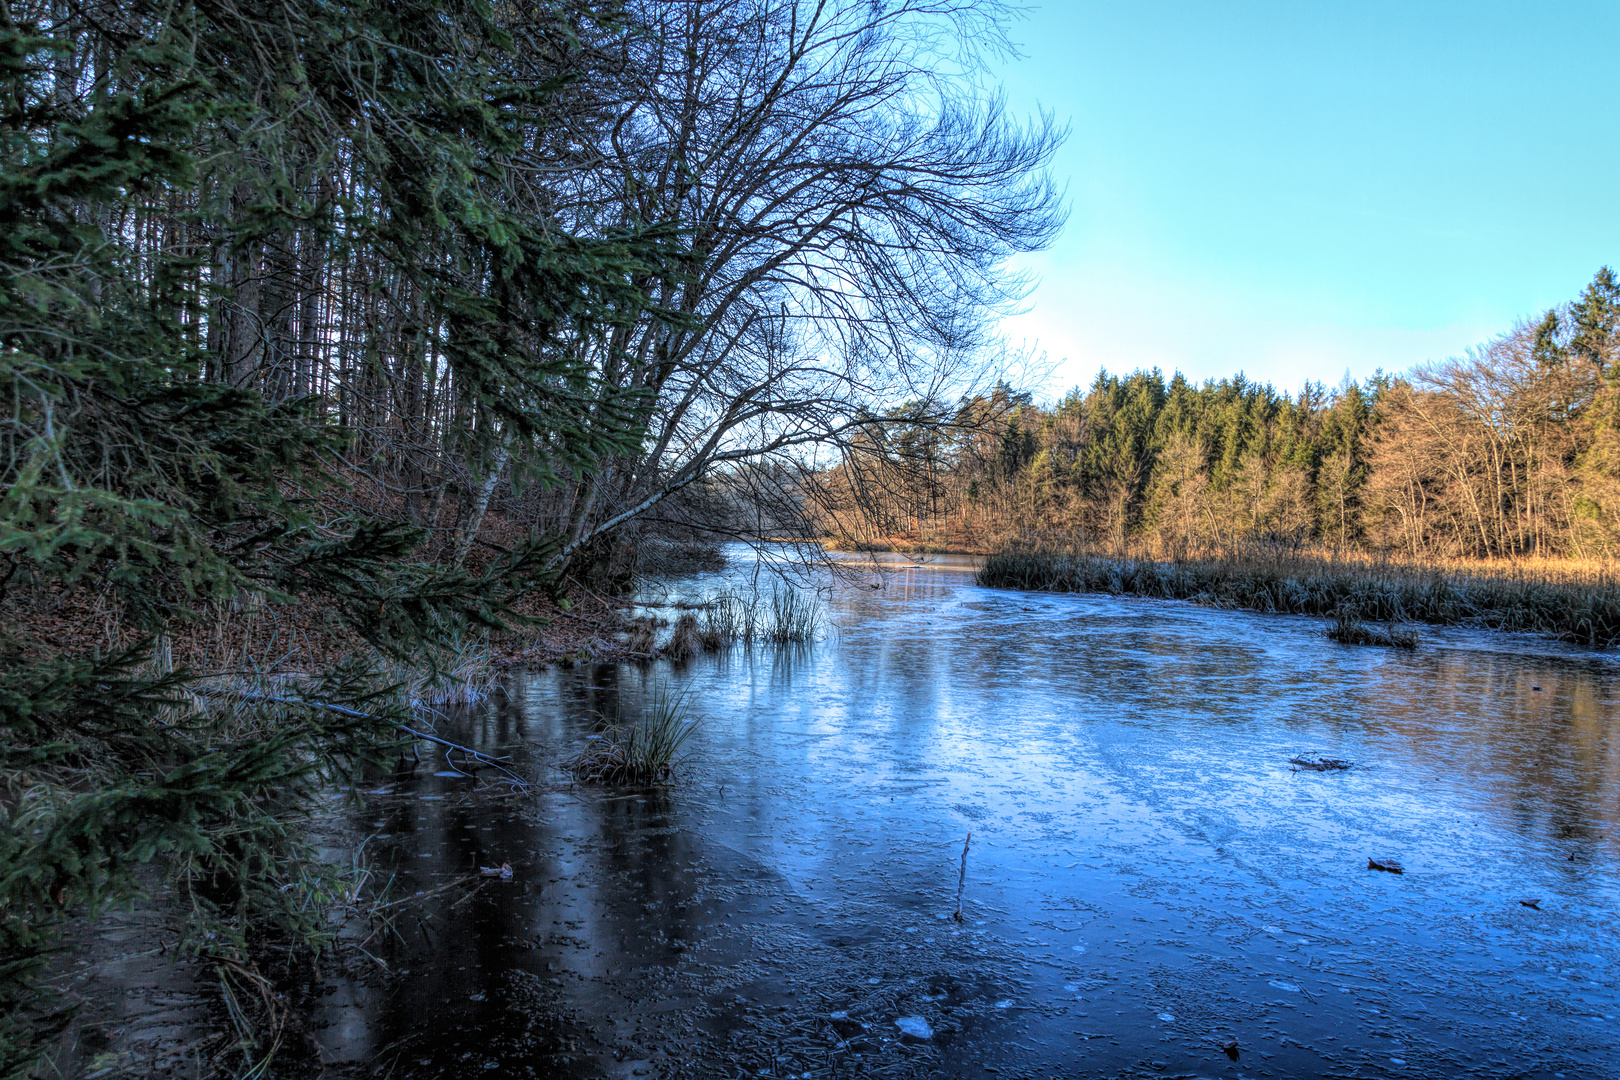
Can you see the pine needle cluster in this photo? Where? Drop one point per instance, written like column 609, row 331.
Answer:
column 140, row 487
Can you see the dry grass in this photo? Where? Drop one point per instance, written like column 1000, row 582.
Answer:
column 1577, row 602
column 685, row 642
column 642, row 638
column 786, row 616
column 459, row 672
column 789, row 616
column 643, row 752
column 794, row 617
column 904, row 544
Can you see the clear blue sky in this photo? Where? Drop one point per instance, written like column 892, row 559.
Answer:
column 1297, row 189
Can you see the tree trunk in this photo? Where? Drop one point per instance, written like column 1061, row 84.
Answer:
column 475, row 520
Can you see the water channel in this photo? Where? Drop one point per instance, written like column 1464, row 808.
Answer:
column 1151, row 887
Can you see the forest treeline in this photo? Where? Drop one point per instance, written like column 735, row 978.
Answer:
column 332, row 333
column 561, row 263
column 1510, row 450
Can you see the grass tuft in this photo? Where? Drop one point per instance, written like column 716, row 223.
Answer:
column 1347, row 628
column 643, row 636
column 644, row 752
column 685, row 642
column 795, row 617
column 790, row 616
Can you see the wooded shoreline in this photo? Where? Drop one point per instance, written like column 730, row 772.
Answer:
column 1509, row 452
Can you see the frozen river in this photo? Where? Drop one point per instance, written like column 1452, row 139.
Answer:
column 1151, row 886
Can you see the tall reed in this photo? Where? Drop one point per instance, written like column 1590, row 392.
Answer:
column 643, row 752
column 1583, row 609
column 728, row 618
column 795, row 617
column 789, row 616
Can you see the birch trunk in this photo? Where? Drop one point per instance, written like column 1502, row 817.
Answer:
column 475, row 520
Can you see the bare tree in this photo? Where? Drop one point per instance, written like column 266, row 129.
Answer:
column 1500, row 414
column 849, row 194
column 1335, row 481
column 1473, row 456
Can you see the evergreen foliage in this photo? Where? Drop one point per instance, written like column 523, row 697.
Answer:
column 147, row 482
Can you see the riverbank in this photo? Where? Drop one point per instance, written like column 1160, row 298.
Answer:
column 1574, row 602
column 913, row 545
column 1149, row 865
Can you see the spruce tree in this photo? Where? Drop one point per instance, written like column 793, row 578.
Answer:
column 1596, row 317
column 139, row 482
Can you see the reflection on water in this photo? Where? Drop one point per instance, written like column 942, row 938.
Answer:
column 1148, row 877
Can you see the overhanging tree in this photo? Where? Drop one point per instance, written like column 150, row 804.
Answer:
column 849, row 194
column 155, row 466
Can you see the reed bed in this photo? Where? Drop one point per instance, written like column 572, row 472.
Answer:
column 728, row 619
column 788, row 616
column 794, row 617
column 1348, row 628
column 1580, row 605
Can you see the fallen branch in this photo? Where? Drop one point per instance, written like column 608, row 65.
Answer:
column 961, row 880
column 344, row 710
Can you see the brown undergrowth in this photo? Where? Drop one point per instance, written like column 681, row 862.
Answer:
column 930, row 543
column 263, row 638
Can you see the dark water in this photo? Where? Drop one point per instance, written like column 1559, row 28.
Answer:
column 1148, row 878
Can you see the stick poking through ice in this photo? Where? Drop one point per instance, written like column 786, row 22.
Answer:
column 961, row 880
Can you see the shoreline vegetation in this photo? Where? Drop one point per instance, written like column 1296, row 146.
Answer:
column 897, row 546
column 328, row 393
column 789, row 616
column 646, row 750
column 1570, row 601
column 1479, row 490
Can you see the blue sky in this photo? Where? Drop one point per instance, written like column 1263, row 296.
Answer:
column 1299, row 189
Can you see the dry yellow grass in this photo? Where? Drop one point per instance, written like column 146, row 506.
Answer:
column 1575, row 601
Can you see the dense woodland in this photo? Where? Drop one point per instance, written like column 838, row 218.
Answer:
column 333, row 333
column 1511, row 450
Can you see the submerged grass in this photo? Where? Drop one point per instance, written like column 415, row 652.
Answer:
column 794, row 617
column 1347, row 628
column 1320, row 763
column 643, row 752
column 1581, row 606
